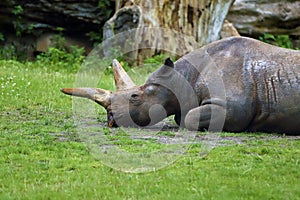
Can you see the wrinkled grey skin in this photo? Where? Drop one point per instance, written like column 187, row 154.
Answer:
column 236, row 84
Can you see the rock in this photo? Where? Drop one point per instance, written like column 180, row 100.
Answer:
column 31, row 20
column 228, row 30
column 73, row 16
column 252, row 18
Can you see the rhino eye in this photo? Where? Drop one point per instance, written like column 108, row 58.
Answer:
column 135, row 99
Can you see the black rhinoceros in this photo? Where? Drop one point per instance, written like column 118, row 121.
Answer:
column 235, row 84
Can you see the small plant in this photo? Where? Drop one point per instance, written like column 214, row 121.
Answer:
column 279, row 40
column 152, row 63
column 10, row 52
column 1, row 37
column 18, row 26
column 58, row 59
column 158, row 59
column 30, row 28
column 95, row 37
column 59, row 42
column 17, row 10
column 104, row 4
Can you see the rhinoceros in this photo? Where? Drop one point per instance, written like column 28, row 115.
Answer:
column 237, row 84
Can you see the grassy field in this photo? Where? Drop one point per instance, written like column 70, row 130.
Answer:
column 42, row 157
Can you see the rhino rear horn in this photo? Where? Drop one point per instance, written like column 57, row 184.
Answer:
column 122, row 80
column 98, row 95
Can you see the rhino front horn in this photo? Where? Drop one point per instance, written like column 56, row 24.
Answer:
column 98, row 95
column 122, row 80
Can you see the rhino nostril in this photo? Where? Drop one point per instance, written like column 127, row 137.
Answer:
column 134, row 95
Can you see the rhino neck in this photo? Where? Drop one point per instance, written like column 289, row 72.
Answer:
column 172, row 105
column 188, row 82
column 188, row 70
column 181, row 97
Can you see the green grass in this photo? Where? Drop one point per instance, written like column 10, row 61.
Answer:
column 42, row 157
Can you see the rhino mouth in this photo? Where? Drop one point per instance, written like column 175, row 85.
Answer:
column 111, row 122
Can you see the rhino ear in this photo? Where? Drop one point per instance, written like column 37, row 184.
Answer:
column 169, row 62
column 164, row 72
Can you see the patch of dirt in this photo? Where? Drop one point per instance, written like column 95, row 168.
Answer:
column 179, row 137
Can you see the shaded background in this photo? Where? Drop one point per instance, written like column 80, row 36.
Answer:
column 29, row 25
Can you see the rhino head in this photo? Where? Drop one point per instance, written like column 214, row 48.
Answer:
column 132, row 105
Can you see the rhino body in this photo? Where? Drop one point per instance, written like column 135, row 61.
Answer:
column 236, row 84
column 261, row 82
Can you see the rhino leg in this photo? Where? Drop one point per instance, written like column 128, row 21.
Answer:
column 206, row 117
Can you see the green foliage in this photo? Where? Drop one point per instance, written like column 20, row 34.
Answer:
column 17, row 10
column 8, row 53
column 279, row 40
column 157, row 59
column 153, row 63
column 60, row 29
column 104, row 5
column 18, row 26
column 57, row 59
column 96, row 37
column 60, row 56
column 59, row 42
column 2, row 37
column 166, row 133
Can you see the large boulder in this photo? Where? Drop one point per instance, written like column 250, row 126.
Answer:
column 23, row 23
column 76, row 16
column 252, row 18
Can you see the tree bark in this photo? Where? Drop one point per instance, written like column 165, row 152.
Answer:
column 176, row 26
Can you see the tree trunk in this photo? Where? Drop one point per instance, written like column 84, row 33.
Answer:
column 174, row 26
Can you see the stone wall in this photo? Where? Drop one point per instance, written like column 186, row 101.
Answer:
column 26, row 24
column 252, row 18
